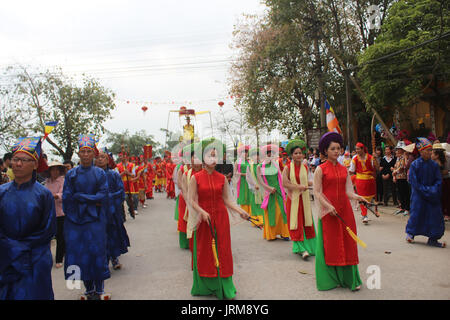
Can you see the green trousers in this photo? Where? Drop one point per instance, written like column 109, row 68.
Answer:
column 330, row 277
column 222, row 288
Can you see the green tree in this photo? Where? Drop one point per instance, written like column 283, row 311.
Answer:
column 299, row 51
column 402, row 78
column 80, row 106
column 270, row 77
column 132, row 143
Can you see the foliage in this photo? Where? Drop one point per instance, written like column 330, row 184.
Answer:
column 132, row 143
column 403, row 78
column 80, row 106
column 286, row 61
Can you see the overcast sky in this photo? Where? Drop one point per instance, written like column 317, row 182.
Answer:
column 162, row 54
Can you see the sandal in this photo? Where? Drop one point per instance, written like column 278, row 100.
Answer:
column 409, row 238
column 104, row 296
column 117, row 266
column 435, row 243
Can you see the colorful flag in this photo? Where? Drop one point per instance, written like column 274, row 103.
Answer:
column 332, row 121
column 49, row 126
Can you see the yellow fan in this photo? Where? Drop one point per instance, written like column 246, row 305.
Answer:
column 352, row 234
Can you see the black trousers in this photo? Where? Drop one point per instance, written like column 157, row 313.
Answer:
column 60, row 242
column 404, row 193
column 135, row 199
column 379, row 188
column 388, row 189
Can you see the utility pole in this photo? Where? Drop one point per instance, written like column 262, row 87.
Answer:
column 349, row 111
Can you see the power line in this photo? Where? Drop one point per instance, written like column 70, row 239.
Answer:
column 134, row 49
column 445, row 35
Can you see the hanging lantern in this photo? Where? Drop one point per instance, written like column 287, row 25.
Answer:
column 221, row 104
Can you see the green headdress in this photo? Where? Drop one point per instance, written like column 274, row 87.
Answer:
column 296, row 143
column 213, row 143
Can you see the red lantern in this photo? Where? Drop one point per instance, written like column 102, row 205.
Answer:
column 221, row 104
column 144, row 108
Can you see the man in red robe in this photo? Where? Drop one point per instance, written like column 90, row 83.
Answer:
column 127, row 172
column 150, row 177
column 163, row 167
column 364, row 166
column 283, row 161
column 170, row 189
column 159, row 175
column 142, row 180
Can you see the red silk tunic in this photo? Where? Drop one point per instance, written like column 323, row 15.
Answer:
column 170, row 185
column 297, row 235
column 127, row 184
column 340, row 249
column 182, row 225
column 141, row 182
column 365, row 181
column 150, row 176
column 210, row 191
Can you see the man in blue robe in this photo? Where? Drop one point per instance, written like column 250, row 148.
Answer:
column 426, row 217
column 85, row 195
column 27, row 225
column 117, row 237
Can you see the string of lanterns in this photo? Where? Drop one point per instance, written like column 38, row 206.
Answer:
column 148, row 103
column 145, row 104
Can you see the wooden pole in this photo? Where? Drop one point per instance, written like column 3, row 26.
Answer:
column 349, row 111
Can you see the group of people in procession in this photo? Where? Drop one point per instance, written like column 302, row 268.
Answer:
column 275, row 189
column 274, row 192
column 140, row 176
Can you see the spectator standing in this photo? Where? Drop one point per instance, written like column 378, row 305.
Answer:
column 3, row 176
column 55, row 184
column 399, row 178
column 378, row 156
column 8, row 165
column 438, row 156
column 68, row 164
column 387, row 166
column 340, row 159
